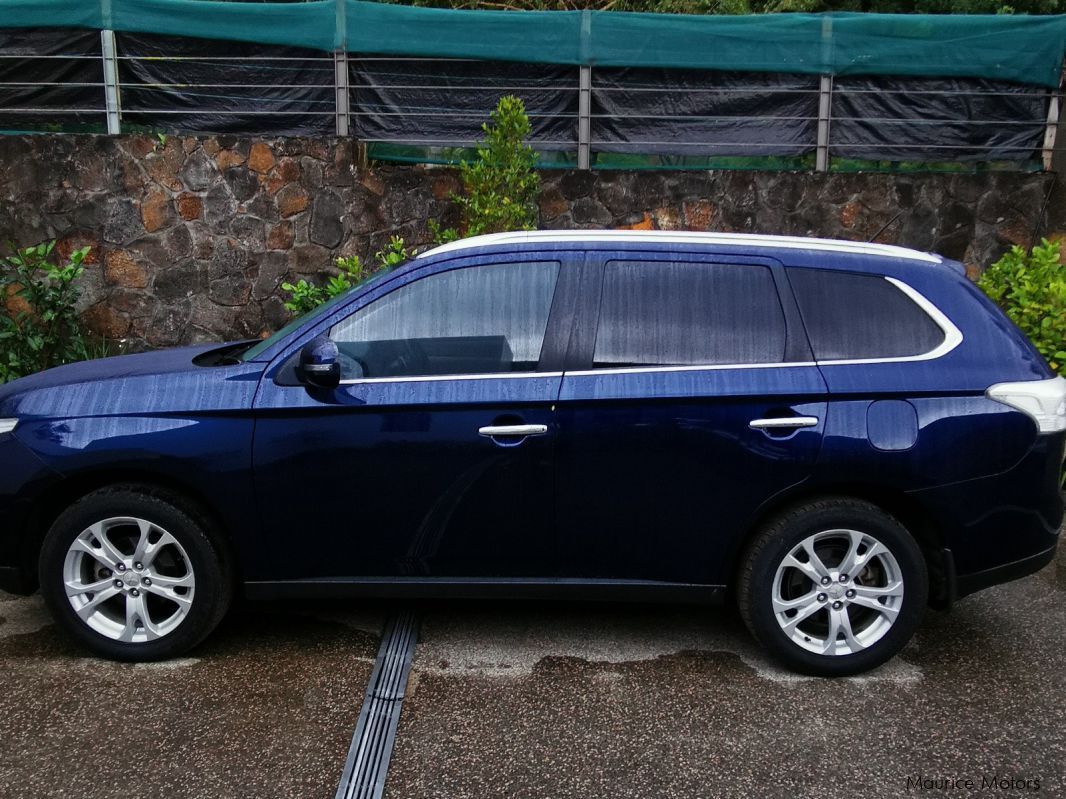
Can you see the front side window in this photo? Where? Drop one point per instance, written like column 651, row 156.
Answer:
column 475, row 320
column 858, row 317
column 688, row 314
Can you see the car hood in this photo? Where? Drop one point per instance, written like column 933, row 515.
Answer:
column 163, row 381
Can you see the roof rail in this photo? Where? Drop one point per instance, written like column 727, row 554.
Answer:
column 682, row 237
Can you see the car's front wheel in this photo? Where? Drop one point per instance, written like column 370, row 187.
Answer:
column 133, row 574
column 833, row 587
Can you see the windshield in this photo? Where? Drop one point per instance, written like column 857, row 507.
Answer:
column 255, row 351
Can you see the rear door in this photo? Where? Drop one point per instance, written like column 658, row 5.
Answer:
column 690, row 399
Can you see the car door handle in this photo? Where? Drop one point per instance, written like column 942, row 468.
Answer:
column 512, row 430
column 783, row 422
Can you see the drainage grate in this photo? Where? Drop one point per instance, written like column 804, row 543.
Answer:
column 375, row 733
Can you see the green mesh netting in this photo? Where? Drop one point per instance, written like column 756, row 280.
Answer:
column 1015, row 48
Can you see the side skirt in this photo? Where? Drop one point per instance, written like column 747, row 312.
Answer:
column 486, row 588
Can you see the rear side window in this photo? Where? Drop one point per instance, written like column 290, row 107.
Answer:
column 687, row 314
column 852, row 317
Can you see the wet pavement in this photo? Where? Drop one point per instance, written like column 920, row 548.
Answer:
column 265, row 708
column 667, row 701
column 553, row 701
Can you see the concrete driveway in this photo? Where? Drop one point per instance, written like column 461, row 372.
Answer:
column 544, row 701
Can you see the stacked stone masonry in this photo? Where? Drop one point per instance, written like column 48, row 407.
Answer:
column 192, row 237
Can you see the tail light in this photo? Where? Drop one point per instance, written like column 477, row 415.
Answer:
column 1042, row 400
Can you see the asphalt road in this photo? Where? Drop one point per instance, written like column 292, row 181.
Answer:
column 544, row 701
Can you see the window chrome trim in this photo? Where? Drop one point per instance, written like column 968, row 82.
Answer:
column 437, row 378
column 952, row 335
column 671, row 237
column 708, row 367
column 952, row 338
column 8, row 425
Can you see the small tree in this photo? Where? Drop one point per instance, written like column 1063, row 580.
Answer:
column 305, row 296
column 41, row 328
column 501, row 186
column 1031, row 290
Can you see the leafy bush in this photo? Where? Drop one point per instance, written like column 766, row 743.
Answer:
column 305, row 296
column 40, row 327
column 501, row 186
column 1031, row 289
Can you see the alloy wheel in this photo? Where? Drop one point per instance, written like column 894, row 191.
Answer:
column 837, row 592
column 129, row 579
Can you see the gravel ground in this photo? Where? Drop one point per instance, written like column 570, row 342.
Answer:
column 552, row 701
column 265, row 708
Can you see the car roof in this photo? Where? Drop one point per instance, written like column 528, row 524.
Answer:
column 669, row 237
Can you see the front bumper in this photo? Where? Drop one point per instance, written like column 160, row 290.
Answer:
column 15, row 580
column 23, row 479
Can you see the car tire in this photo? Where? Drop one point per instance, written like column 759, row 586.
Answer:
column 808, row 611
column 104, row 597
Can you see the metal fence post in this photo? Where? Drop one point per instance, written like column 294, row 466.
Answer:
column 584, row 120
column 111, row 97
column 340, row 83
column 825, row 104
column 1051, row 130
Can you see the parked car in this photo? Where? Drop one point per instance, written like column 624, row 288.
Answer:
column 835, row 434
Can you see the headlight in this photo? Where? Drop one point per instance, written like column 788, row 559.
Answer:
column 7, row 425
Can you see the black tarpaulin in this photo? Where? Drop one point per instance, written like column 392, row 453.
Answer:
column 51, row 80
column 205, row 86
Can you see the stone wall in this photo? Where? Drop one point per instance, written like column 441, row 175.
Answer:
column 192, row 236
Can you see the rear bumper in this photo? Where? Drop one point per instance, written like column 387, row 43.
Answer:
column 1004, row 573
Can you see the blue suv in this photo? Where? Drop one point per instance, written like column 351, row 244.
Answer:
column 836, row 434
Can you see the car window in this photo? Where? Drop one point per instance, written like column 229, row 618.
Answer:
column 474, row 320
column 855, row 317
column 686, row 314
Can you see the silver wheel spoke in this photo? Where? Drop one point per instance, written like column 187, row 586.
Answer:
column 137, row 611
column 849, row 563
column 781, row 605
column 105, row 555
column 812, row 574
column 90, row 607
column 873, row 604
column 181, row 600
column 78, row 588
column 840, row 622
column 791, row 625
column 146, row 551
column 815, row 561
column 893, row 589
column 162, row 581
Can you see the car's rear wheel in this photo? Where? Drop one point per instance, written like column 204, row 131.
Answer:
column 833, row 587
column 133, row 574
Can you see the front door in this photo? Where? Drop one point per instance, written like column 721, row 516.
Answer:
column 693, row 404
column 433, row 457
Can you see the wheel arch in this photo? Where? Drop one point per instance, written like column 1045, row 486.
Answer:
column 909, row 512
column 61, row 495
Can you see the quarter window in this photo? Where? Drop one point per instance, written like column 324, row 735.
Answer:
column 858, row 317
column 688, row 314
column 475, row 320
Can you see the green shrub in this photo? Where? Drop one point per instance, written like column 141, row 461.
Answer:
column 44, row 329
column 1031, row 289
column 305, row 296
column 501, row 186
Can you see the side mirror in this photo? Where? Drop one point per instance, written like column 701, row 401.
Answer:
column 319, row 364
